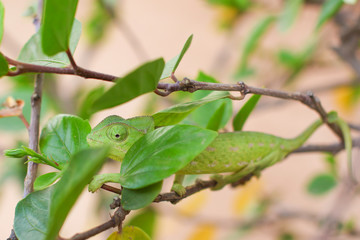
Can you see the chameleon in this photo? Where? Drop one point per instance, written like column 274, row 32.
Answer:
column 240, row 153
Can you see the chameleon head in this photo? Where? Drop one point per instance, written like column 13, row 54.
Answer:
column 117, row 132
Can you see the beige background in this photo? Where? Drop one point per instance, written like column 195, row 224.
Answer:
column 162, row 27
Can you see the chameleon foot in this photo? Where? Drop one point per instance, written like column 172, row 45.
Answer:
column 220, row 182
column 179, row 189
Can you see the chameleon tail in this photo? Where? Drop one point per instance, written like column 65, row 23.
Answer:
column 299, row 140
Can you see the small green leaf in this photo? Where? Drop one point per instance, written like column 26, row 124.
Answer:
column 129, row 233
column 15, row 153
column 82, row 167
column 171, row 66
column 46, row 180
column 146, row 220
column 132, row 199
column 329, row 9
column 331, row 162
column 57, row 22
column 161, row 153
column 245, row 111
column 177, row 113
column 2, row 14
column 32, row 51
column 32, row 215
column 252, row 42
column 4, row 66
column 321, row 184
column 63, row 136
column 289, row 14
column 142, row 80
column 216, row 119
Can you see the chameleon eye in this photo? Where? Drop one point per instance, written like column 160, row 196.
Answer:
column 117, row 132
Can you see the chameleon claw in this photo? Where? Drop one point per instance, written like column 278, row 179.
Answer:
column 178, row 189
column 220, row 182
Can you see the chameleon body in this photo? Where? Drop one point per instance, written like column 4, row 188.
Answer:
column 240, row 153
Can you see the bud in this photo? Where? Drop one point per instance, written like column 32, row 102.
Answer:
column 15, row 153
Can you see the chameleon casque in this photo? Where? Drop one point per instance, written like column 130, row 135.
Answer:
column 239, row 153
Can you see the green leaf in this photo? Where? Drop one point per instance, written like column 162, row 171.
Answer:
column 85, row 109
column 142, row 80
column 4, row 66
column 177, row 113
column 329, row 9
column 132, row 199
column 46, row 180
column 289, row 14
column 331, row 162
column 129, row 233
column 2, row 14
column 161, row 153
column 32, row 215
column 244, row 113
column 82, row 167
column 32, row 51
column 172, row 65
column 63, row 136
column 252, row 42
column 145, row 220
column 321, row 184
column 58, row 18
column 215, row 122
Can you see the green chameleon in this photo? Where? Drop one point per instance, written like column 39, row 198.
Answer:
column 239, row 153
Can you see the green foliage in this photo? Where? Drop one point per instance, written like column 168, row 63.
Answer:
column 243, row 114
column 143, row 166
column 32, row 215
column 213, row 115
column 58, row 18
column 63, row 136
column 239, row 4
column 129, row 233
column 329, row 9
column 142, row 80
column 171, row 66
column 4, row 66
column 82, row 167
column 177, row 113
column 321, row 184
column 289, row 13
column 132, row 199
column 32, row 51
column 2, row 14
column 85, row 108
column 146, row 220
column 251, row 44
column 46, row 180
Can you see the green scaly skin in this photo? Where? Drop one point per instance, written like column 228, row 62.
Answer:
column 240, row 153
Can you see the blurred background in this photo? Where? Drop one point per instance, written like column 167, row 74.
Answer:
column 271, row 44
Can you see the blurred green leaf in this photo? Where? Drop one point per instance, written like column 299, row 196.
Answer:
column 132, row 199
column 251, row 44
column 289, row 14
column 32, row 215
column 4, row 66
column 45, row 180
column 147, row 161
column 63, row 136
column 329, row 9
column 85, row 109
column 172, row 65
column 142, row 80
column 57, row 22
column 177, row 113
column 129, row 233
column 82, row 167
column 146, row 220
column 32, row 51
column 331, row 162
column 243, row 114
column 241, row 5
column 286, row 236
column 321, row 184
column 215, row 121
